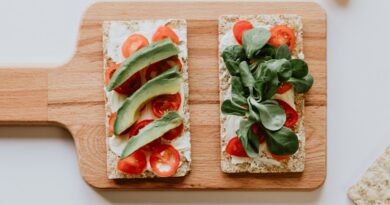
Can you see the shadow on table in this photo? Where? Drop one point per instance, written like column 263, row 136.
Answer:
column 210, row 197
column 22, row 132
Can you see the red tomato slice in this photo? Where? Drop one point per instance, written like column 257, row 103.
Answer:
column 109, row 72
column 239, row 28
column 174, row 60
column 130, row 85
column 291, row 114
column 161, row 66
column 164, row 103
column 256, row 129
column 111, row 122
column 152, row 145
column 235, row 148
column 134, row 164
column 133, row 43
column 173, row 133
column 284, row 88
column 164, row 160
column 134, row 130
column 164, row 32
column 282, row 35
column 280, row 157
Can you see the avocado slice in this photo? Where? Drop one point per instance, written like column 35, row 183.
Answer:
column 152, row 131
column 166, row 83
column 147, row 55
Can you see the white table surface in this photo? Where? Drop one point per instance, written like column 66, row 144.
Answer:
column 38, row 164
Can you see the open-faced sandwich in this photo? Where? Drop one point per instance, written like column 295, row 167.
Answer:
column 263, row 79
column 146, row 92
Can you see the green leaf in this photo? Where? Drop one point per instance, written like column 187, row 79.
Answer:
column 283, row 52
column 269, row 75
column 246, row 75
column 271, row 88
column 259, row 87
column 268, row 52
column 232, row 67
column 248, row 139
column 255, row 39
column 267, row 81
column 230, row 108
column 258, row 72
column 253, row 113
column 280, row 66
column 234, row 52
column 232, row 56
column 272, row 116
column 285, row 72
column 299, row 68
column 282, row 142
column 302, row 85
column 253, row 66
column 238, row 93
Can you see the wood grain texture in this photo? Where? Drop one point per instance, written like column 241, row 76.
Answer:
column 73, row 94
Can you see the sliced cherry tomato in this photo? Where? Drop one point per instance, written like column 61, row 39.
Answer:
column 152, row 145
column 173, row 133
column 109, row 72
column 291, row 114
column 133, row 43
column 235, row 148
column 133, row 164
column 280, row 157
column 134, row 130
column 164, row 103
column 284, row 87
column 173, row 61
column 164, row 32
column 161, row 66
column 239, row 28
column 282, row 35
column 111, row 122
column 130, row 85
column 256, row 129
column 164, row 160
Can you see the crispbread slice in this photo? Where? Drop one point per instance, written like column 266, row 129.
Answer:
column 111, row 51
column 263, row 163
column 374, row 187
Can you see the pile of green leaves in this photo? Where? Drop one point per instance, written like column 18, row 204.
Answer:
column 257, row 69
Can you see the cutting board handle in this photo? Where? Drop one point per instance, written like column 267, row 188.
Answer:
column 23, row 95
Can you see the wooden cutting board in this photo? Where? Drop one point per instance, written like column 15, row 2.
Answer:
column 72, row 95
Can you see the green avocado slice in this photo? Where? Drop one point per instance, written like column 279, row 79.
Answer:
column 152, row 131
column 147, row 55
column 166, row 83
